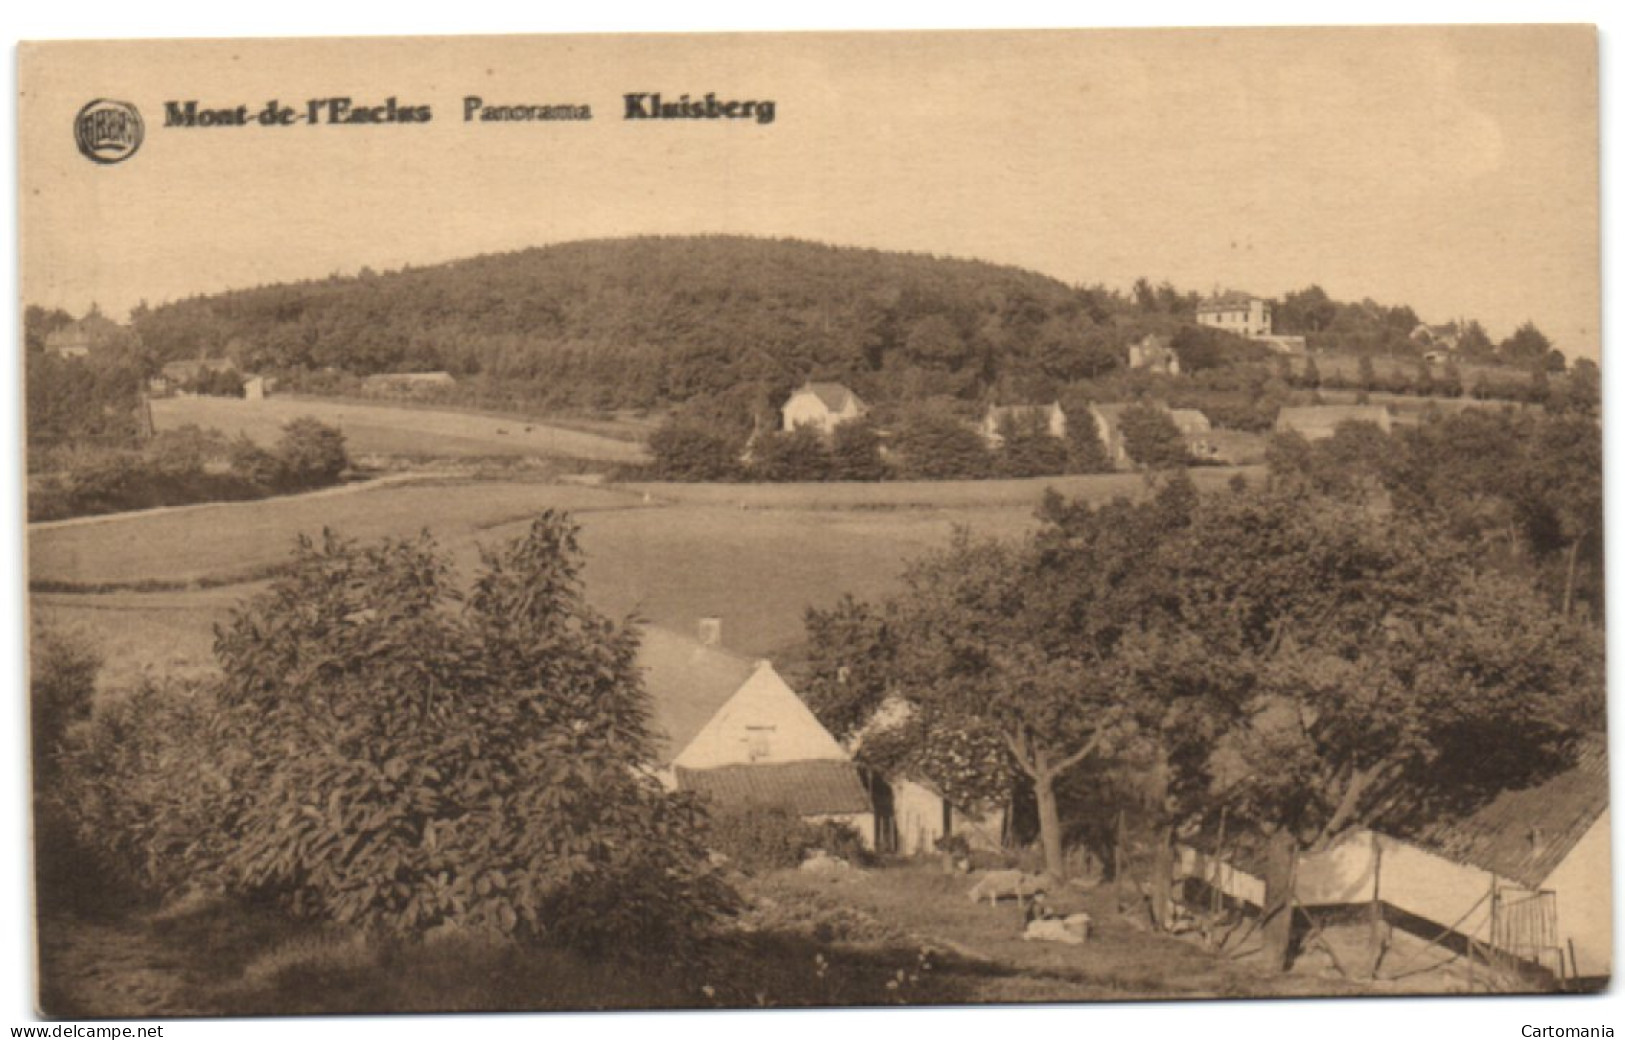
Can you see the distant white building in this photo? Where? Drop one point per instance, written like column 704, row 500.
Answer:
column 1155, row 354
column 822, row 406
column 1046, row 417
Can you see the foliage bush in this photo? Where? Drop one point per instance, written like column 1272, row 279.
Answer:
column 183, row 466
column 387, row 751
column 1151, row 438
column 762, row 837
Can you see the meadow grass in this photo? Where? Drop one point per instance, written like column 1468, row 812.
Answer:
column 384, row 429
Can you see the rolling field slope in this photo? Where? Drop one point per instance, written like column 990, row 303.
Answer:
column 757, row 555
column 378, row 429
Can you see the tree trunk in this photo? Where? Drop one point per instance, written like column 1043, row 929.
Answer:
column 1568, row 580
column 1049, row 824
column 1162, row 876
column 1278, row 901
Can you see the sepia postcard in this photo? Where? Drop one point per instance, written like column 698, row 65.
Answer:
column 806, row 520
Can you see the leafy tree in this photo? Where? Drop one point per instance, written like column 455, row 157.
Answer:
column 1026, row 447
column 1450, row 380
column 793, row 455
column 1085, row 451
column 410, row 765
column 1526, row 344
column 687, row 450
column 311, row 453
column 38, row 323
column 1310, row 379
column 935, row 444
column 1379, row 662
column 1151, row 438
column 1368, row 374
column 1475, row 343
column 855, row 452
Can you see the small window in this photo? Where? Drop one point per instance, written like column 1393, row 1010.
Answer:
column 759, row 742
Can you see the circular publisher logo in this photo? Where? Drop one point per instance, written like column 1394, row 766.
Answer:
column 108, row 131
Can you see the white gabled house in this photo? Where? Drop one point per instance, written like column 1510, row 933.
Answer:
column 733, row 730
column 823, row 406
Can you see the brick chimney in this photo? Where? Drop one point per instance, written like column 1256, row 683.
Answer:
column 710, row 631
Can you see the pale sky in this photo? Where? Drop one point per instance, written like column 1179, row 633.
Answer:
column 1454, row 169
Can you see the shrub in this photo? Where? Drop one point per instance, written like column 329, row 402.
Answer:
column 61, row 683
column 311, row 454
column 762, row 837
column 1151, row 438
column 254, row 465
column 485, row 768
column 936, row 445
column 690, row 450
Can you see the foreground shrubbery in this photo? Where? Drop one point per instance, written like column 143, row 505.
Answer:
column 186, row 465
column 771, row 837
column 387, row 751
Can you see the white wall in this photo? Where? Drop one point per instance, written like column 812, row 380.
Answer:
column 1585, row 906
column 765, row 702
column 806, row 409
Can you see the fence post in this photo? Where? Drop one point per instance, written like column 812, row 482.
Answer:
column 1376, row 904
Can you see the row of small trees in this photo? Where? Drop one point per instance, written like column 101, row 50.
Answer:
column 1298, row 661
column 929, row 443
column 186, row 465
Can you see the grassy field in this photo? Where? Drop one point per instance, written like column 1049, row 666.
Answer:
column 147, row 588
column 372, row 429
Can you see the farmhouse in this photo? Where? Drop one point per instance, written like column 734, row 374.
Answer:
column 822, row 406
column 1317, row 422
column 911, row 812
column 1108, row 418
column 177, row 375
column 1446, row 337
column 1238, row 312
column 1049, row 419
column 732, row 729
column 1154, row 354
column 1527, row 875
column 78, row 339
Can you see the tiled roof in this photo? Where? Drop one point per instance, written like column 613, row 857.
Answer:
column 1500, row 837
column 833, row 395
column 688, row 683
column 810, row 788
column 1228, row 301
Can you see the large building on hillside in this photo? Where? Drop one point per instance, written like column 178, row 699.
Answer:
column 1238, row 312
column 732, row 729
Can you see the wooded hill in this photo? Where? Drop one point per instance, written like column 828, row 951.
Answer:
column 655, row 321
column 649, row 321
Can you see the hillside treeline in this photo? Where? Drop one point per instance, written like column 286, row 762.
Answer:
column 642, row 322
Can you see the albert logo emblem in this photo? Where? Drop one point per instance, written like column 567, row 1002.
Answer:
column 108, row 131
